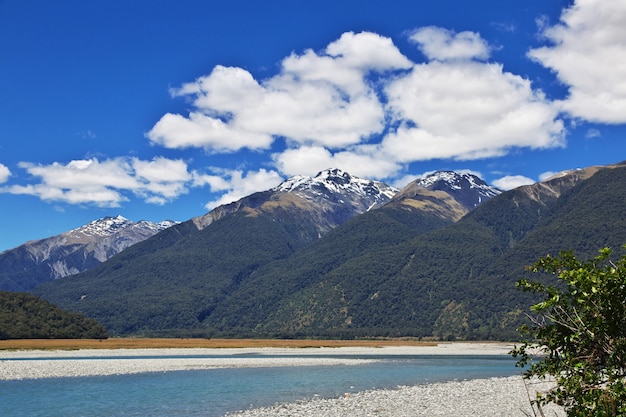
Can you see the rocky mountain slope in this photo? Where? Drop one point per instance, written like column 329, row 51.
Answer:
column 184, row 278
column 446, row 194
column 71, row 252
column 322, row 202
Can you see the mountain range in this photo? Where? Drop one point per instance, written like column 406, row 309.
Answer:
column 313, row 258
column 202, row 261
column 69, row 253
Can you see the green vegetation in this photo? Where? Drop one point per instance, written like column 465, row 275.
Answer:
column 389, row 272
column 579, row 328
column 24, row 316
column 169, row 284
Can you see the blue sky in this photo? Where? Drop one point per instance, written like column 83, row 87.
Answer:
column 164, row 109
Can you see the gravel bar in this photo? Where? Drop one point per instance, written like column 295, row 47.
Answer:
column 60, row 367
column 30, row 364
column 497, row 397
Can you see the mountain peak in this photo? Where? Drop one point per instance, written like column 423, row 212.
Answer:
column 337, row 181
column 452, row 180
column 105, row 226
column 73, row 251
column 467, row 189
column 455, row 180
column 326, row 200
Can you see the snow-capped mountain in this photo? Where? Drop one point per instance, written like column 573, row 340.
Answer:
column 72, row 252
column 447, row 194
column 328, row 199
column 108, row 226
column 335, row 182
column 469, row 189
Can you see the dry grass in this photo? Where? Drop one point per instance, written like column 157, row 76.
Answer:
column 143, row 343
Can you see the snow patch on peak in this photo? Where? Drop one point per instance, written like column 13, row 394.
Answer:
column 336, row 181
column 292, row 183
column 105, row 226
column 457, row 181
column 109, row 226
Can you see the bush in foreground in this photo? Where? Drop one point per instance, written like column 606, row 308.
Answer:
column 579, row 329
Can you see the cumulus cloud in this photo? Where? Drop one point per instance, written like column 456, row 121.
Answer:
column 161, row 179
column 468, row 110
column 236, row 185
column 442, row 44
column 316, row 99
column 364, row 161
column 587, row 53
column 4, row 173
column 200, row 130
column 333, row 112
column 361, row 105
column 512, row 181
column 106, row 183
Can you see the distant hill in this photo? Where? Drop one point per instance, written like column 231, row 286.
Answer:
column 77, row 250
column 24, row 316
column 182, row 279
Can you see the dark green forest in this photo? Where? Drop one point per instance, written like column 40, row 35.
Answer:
column 24, row 316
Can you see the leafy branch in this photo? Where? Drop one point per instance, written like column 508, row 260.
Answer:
column 577, row 333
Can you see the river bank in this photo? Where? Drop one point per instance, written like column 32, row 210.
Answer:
column 30, row 364
column 493, row 397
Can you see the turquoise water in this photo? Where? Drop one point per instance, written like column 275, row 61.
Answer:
column 215, row 392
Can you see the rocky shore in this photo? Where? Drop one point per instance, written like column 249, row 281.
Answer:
column 67, row 366
column 494, row 397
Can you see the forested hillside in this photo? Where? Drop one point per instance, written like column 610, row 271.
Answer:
column 459, row 281
column 24, row 316
column 172, row 283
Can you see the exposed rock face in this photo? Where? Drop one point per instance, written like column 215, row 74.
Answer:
column 447, row 194
column 323, row 202
column 72, row 252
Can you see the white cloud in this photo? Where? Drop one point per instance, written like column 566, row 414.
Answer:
column 512, row 181
column 468, row 110
column 548, row 174
column 334, row 106
column 111, row 182
column 316, row 99
column 364, row 161
column 200, row 130
column 216, row 183
column 593, row 133
column 405, row 180
column 106, row 183
column 239, row 185
column 587, row 54
column 5, row 173
column 442, row 44
column 162, row 179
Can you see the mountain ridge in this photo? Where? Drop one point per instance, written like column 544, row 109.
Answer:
column 329, row 188
column 208, row 266
column 73, row 251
